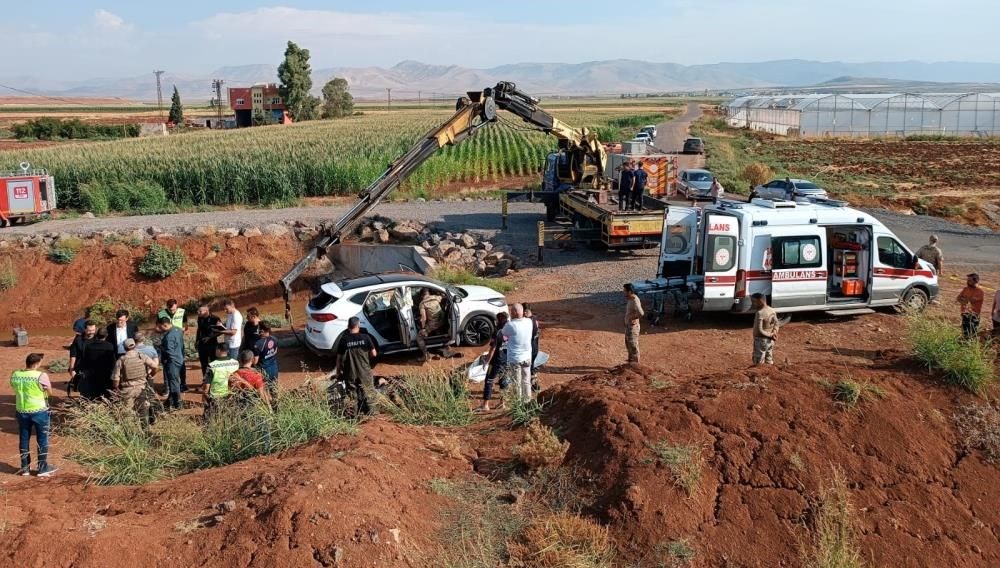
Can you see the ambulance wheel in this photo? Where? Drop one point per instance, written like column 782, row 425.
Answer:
column 915, row 300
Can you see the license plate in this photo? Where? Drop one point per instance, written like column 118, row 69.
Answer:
column 634, row 239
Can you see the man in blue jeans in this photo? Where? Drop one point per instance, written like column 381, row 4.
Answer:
column 265, row 352
column 31, row 393
column 172, row 360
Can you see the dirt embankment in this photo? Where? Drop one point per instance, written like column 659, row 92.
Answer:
column 769, row 440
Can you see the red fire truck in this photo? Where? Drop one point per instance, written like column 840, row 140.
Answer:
column 25, row 194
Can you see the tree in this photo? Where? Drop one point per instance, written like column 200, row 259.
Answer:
column 176, row 115
column 337, row 99
column 295, row 75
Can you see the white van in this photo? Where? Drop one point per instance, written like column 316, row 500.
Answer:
column 811, row 254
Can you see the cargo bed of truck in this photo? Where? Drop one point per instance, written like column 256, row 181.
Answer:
column 594, row 209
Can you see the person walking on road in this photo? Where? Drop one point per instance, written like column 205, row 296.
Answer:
column 716, row 191
column 765, row 330
column 518, row 332
column 971, row 301
column 206, row 337
column 932, row 254
column 178, row 319
column 96, row 364
column 354, row 356
column 625, row 183
column 633, row 313
column 32, row 388
column 122, row 328
column 265, row 352
column 130, row 380
column 638, row 186
column 496, row 361
column 234, row 328
column 171, row 359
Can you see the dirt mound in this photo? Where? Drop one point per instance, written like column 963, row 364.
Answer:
column 347, row 501
column 734, row 462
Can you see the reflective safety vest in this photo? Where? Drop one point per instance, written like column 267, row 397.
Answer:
column 28, row 393
column 177, row 320
column 220, row 371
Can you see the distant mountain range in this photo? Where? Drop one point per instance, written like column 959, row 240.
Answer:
column 409, row 79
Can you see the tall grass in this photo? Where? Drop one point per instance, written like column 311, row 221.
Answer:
column 834, row 543
column 939, row 344
column 464, row 276
column 8, row 275
column 436, row 398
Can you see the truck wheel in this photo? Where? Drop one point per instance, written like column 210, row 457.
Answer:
column 915, row 300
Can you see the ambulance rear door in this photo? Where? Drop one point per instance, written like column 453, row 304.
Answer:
column 719, row 255
column 678, row 245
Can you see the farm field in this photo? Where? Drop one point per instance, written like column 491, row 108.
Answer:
column 958, row 179
column 268, row 165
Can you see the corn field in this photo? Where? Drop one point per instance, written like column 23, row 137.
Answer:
column 280, row 164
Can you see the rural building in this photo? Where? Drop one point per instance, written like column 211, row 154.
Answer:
column 869, row 114
column 259, row 104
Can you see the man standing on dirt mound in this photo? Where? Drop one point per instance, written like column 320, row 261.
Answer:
column 177, row 319
column 765, row 330
column 518, row 332
column 354, row 367
column 633, row 313
column 31, row 405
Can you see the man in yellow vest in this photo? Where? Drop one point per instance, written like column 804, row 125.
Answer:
column 176, row 315
column 31, row 391
column 216, row 384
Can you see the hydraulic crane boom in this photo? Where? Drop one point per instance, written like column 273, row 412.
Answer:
column 585, row 160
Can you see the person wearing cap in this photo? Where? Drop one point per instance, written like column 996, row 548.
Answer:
column 932, row 254
column 32, row 388
column 971, row 302
column 130, row 379
column 354, row 354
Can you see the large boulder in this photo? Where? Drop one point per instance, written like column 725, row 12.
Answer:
column 229, row 232
column 405, row 231
column 252, row 232
column 467, row 240
column 441, row 249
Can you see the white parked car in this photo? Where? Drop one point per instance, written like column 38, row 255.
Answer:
column 387, row 306
column 643, row 137
column 649, row 129
column 788, row 189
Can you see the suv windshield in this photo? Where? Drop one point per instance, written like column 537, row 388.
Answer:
column 806, row 185
column 693, row 141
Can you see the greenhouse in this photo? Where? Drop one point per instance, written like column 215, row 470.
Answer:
column 869, row 114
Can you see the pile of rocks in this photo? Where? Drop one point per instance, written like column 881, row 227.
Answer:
column 468, row 250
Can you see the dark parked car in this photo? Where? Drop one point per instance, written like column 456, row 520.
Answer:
column 694, row 146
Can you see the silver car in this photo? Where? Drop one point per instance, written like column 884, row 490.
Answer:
column 788, row 189
column 695, row 184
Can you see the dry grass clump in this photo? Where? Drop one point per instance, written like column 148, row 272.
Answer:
column 541, row 448
column 563, row 540
column 835, row 541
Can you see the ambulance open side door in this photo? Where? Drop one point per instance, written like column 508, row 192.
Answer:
column 720, row 251
column 678, row 245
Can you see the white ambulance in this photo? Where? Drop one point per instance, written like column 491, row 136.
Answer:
column 809, row 254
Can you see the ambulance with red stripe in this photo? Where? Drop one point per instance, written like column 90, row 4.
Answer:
column 804, row 255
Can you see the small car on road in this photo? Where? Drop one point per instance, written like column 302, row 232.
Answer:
column 693, row 146
column 649, row 129
column 643, row 137
column 694, row 184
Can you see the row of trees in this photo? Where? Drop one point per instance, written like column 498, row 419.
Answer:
column 295, row 75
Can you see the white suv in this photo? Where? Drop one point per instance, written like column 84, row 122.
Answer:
column 387, row 306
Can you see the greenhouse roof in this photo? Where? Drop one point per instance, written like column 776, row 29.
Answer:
column 858, row 101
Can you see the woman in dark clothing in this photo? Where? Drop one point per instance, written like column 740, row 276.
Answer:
column 251, row 329
column 97, row 363
column 496, row 364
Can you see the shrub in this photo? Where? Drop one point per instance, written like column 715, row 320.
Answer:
column 463, row 276
column 94, row 199
column 848, row 392
column 939, row 344
column 757, row 173
column 436, row 398
column 60, row 255
column 564, row 540
column 980, row 426
column 273, row 320
column 684, row 463
column 834, row 541
column 8, row 275
column 103, row 311
column 541, row 449
column 161, row 261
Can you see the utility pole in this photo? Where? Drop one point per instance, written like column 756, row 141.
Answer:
column 159, row 93
column 388, row 98
column 418, row 98
column 217, row 85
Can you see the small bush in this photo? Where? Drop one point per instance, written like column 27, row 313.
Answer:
column 757, row 173
column 939, row 344
column 8, row 275
column 684, row 463
column 541, row 449
column 60, row 255
column 94, row 199
column 103, row 311
column 564, row 540
column 980, row 426
column 834, row 543
column 161, row 261
column 58, row 365
column 436, row 398
column 463, row 276
column 670, row 554
column 848, row 392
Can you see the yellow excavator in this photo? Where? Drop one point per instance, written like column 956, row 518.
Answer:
column 580, row 162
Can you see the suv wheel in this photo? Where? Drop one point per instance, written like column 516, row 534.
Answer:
column 478, row 330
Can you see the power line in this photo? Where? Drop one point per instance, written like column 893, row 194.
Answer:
column 159, row 93
column 62, row 100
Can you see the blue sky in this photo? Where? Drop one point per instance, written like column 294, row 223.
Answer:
column 83, row 38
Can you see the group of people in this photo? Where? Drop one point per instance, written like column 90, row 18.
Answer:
column 513, row 356
column 970, row 299
column 631, row 186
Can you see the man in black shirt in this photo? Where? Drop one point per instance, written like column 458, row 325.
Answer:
column 86, row 335
column 354, row 367
column 96, row 363
column 207, row 336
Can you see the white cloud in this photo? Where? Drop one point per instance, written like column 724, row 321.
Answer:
column 109, row 21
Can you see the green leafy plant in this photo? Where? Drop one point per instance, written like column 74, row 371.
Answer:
column 161, row 261
column 849, row 392
column 102, row 311
column 61, row 255
column 522, row 412
column 939, row 344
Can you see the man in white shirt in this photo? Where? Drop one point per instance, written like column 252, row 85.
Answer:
column 518, row 332
column 234, row 328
